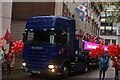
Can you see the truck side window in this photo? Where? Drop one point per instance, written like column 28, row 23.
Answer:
column 68, row 38
column 30, row 36
column 52, row 39
column 64, row 38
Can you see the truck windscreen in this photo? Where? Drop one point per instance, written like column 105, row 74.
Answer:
column 45, row 37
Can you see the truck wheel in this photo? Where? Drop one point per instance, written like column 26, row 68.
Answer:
column 33, row 74
column 64, row 72
column 86, row 69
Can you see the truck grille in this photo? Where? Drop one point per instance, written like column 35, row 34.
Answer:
column 36, row 59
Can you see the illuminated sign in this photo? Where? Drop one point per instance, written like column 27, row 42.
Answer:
column 89, row 45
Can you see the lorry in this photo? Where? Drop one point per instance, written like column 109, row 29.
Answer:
column 51, row 47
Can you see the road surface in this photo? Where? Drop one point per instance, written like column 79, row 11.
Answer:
column 92, row 74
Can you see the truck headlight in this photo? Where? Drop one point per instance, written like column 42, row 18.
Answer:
column 52, row 66
column 52, row 70
column 23, row 64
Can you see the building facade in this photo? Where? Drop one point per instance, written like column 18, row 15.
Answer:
column 92, row 24
column 110, row 30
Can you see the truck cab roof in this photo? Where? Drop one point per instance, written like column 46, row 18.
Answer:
column 48, row 22
column 47, row 18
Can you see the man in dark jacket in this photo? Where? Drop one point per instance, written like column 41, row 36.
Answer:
column 103, row 65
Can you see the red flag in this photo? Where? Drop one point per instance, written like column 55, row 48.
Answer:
column 8, row 37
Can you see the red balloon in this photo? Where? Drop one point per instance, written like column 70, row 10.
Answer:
column 98, row 49
column 20, row 46
column 0, row 42
column 86, row 36
column 99, row 55
column 17, row 46
column 13, row 43
column 102, row 48
column 100, row 45
column 1, row 45
column 20, row 40
column 119, row 50
column 15, row 51
column 92, row 50
column 19, row 50
column 1, row 38
column 12, row 48
column 112, row 45
column 94, row 56
column 16, row 42
column 89, row 53
column 117, row 45
column 95, row 41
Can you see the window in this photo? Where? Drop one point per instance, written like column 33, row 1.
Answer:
column 47, row 37
column 108, row 32
column 30, row 36
column 114, row 41
column 114, row 32
column 102, row 32
column 106, row 24
column 114, row 24
column 107, row 42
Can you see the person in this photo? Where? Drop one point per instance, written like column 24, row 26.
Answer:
column 2, row 52
column 103, row 65
column 1, row 58
column 116, row 65
column 9, row 60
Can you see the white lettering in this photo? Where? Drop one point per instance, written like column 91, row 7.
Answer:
column 88, row 46
column 91, row 46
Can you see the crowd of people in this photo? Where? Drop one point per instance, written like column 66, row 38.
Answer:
column 94, row 39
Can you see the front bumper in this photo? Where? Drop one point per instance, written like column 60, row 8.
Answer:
column 42, row 72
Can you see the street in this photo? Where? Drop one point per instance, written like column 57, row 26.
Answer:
column 92, row 74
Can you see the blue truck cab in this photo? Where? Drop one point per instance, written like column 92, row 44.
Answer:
column 51, row 46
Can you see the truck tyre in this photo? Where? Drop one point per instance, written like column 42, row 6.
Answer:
column 33, row 74
column 64, row 72
column 86, row 69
